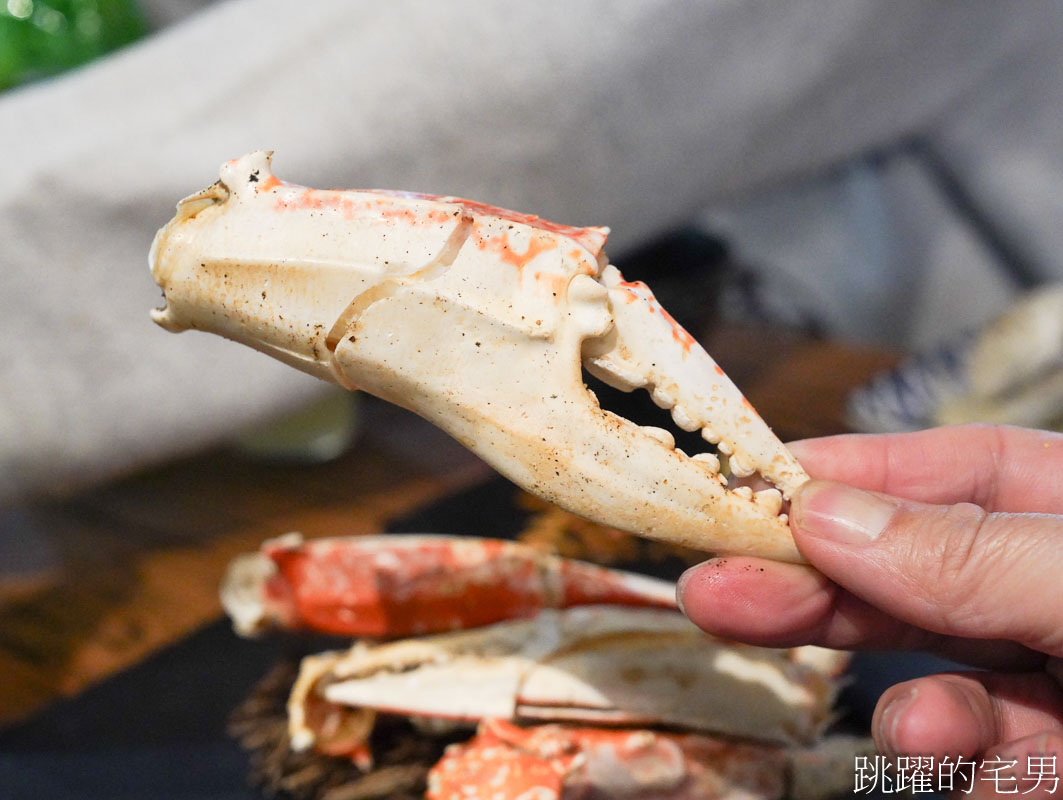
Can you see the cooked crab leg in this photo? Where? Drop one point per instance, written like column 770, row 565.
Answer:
column 481, row 320
column 398, row 585
column 593, row 664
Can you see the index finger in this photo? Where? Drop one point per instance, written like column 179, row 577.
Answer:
column 999, row 468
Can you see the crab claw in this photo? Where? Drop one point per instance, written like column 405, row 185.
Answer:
column 481, row 320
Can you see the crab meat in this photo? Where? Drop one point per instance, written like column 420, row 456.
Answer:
column 561, row 762
column 550, row 762
column 392, row 586
column 602, row 665
column 480, row 320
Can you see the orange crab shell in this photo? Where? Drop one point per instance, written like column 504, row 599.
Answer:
column 401, row 585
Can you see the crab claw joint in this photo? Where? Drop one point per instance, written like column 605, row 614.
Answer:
column 481, row 320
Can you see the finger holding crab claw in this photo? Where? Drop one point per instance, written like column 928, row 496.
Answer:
column 482, row 320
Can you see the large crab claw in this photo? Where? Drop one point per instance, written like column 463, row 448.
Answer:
column 479, row 319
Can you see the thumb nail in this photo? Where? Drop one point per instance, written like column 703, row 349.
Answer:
column 887, row 725
column 680, row 588
column 840, row 513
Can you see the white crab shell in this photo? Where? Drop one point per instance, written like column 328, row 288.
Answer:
column 597, row 665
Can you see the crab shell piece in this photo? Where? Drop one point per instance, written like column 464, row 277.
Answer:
column 550, row 762
column 481, row 320
column 1014, row 369
column 401, row 585
column 600, row 665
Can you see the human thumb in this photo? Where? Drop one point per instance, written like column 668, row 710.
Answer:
column 952, row 569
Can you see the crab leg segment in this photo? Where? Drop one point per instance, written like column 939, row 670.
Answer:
column 398, row 585
column 597, row 664
column 481, row 320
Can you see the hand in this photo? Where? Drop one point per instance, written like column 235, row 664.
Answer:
column 948, row 540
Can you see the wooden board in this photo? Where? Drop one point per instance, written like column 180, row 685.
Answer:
column 142, row 558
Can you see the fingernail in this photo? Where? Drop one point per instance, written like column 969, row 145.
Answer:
column 699, row 573
column 680, row 585
column 840, row 513
column 690, row 574
column 890, row 719
column 798, row 448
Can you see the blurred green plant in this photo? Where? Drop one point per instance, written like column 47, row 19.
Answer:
column 39, row 38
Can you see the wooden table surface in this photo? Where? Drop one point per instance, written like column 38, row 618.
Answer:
column 141, row 558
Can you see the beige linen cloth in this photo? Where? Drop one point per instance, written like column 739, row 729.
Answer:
column 783, row 126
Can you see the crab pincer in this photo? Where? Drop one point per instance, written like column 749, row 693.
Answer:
column 482, row 321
